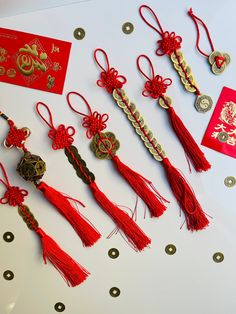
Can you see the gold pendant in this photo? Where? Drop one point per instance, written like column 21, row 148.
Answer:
column 219, row 61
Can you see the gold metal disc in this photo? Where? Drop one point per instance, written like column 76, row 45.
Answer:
column 127, row 28
column 203, row 103
column 218, row 257
column 79, row 33
column 230, row 181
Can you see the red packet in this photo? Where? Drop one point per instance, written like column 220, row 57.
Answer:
column 221, row 131
column 33, row 61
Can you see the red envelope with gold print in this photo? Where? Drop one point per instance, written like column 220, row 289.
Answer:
column 221, row 131
column 33, row 61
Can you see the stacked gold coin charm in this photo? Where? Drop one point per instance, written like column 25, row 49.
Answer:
column 113, row 83
column 217, row 60
column 170, row 44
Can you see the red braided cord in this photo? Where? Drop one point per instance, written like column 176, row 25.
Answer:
column 195, row 19
column 61, row 137
column 109, row 77
column 94, row 121
column 155, row 86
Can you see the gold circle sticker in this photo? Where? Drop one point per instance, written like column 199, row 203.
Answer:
column 127, row 28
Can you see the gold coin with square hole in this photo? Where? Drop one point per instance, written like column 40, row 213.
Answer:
column 113, row 253
column 79, row 33
column 218, row 257
column 8, row 275
column 223, row 137
column 230, row 181
column 127, row 28
column 114, row 292
column 59, row 307
column 170, row 249
column 8, row 236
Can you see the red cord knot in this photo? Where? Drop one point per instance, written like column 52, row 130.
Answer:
column 13, row 196
column 16, row 137
column 111, row 80
column 220, row 61
column 95, row 123
column 168, row 44
column 61, row 137
column 156, row 87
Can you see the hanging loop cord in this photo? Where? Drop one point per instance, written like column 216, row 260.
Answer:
column 196, row 19
column 109, row 77
column 61, row 137
column 155, row 85
column 169, row 42
column 94, row 122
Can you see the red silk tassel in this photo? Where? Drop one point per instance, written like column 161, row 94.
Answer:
column 195, row 217
column 191, row 148
column 123, row 221
column 73, row 273
column 88, row 234
column 142, row 187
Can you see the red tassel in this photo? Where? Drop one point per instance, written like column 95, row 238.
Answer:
column 142, row 187
column 195, row 217
column 73, row 273
column 88, row 234
column 191, row 148
column 123, row 221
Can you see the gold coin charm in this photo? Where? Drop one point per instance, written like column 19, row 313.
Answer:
column 203, row 103
column 79, row 33
column 223, row 137
column 165, row 102
column 127, row 28
column 113, row 253
column 219, row 61
column 114, row 292
column 230, row 181
column 170, row 249
column 218, row 257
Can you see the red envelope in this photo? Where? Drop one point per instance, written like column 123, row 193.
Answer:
column 221, row 131
column 33, row 61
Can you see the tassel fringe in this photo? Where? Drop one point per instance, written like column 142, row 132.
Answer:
column 87, row 233
column 123, row 221
column 143, row 188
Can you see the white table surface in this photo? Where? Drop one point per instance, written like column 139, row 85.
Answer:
column 188, row 282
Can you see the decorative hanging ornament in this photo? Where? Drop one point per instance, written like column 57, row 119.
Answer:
column 218, row 60
column 70, row 270
column 170, row 44
column 62, row 138
column 105, row 145
column 110, row 80
column 156, row 87
column 32, row 168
